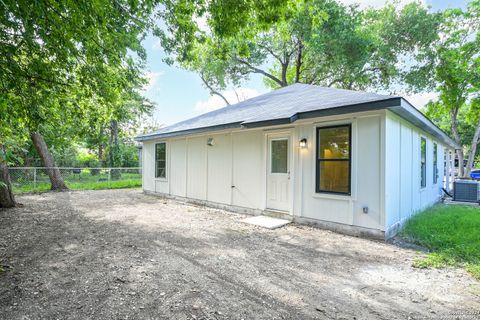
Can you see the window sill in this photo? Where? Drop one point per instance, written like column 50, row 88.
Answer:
column 161, row 179
column 332, row 196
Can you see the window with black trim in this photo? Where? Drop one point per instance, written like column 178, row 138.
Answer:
column 423, row 162
column 161, row 160
column 333, row 163
column 435, row 168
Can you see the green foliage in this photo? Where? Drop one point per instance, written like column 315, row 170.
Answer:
column 87, row 159
column 451, row 66
column 451, row 232
column 84, row 181
column 69, row 67
column 318, row 42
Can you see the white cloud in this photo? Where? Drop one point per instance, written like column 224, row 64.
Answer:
column 419, row 100
column 152, row 78
column 202, row 23
column 157, row 45
column 233, row 96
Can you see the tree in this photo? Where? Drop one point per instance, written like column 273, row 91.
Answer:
column 7, row 199
column 452, row 67
column 313, row 41
column 55, row 58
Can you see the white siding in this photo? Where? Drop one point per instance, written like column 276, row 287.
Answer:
column 249, row 169
column 197, row 168
column 369, row 176
column 219, row 169
column 404, row 195
column 385, row 176
column 178, row 167
column 148, row 173
column 365, row 179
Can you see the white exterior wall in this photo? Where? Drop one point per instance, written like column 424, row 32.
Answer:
column 404, row 195
column 366, row 175
column 201, row 172
column 385, row 174
column 238, row 158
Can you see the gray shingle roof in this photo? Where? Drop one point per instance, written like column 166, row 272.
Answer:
column 283, row 103
column 294, row 102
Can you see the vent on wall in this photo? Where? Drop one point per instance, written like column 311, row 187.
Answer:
column 466, row 190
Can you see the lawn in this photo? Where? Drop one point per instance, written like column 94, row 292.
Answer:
column 83, row 181
column 451, row 233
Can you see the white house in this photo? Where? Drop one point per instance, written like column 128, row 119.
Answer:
column 355, row 162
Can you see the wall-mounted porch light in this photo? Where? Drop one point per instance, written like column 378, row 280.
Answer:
column 210, row 142
column 303, row 143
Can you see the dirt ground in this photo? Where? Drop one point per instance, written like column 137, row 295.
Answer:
column 120, row 254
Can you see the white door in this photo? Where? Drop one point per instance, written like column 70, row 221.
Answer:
column 278, row 173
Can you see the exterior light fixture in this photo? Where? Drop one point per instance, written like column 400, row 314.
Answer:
column 210, row 142
column 303, row 143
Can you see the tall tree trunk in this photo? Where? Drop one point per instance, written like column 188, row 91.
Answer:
column 6, row 195
column 456, row 137
column 100, row 153
column 56, row 179
column 114, row 150
column 461, row 168
column 473, row 149
column 298, row 63
column 113, row 142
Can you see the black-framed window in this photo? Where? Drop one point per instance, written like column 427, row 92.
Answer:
column 161, row 160
column 423, row 162
column 333, row 162
column 435, row 166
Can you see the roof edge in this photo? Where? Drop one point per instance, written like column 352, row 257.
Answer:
column 148, row 137
column 407, row 111
column 397, row 105
column 349, row 108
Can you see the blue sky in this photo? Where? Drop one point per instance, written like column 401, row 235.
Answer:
column 180, row 95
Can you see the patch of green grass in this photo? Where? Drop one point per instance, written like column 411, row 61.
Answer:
column 451, row 233
column 83, row 181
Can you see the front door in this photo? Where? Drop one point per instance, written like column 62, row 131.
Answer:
column 278, row 173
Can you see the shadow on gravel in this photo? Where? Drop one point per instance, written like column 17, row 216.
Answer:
column 66, row 264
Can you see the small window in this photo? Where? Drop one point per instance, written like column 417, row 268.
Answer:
column 333, row 159
column 160, row 160
column 423, row 162
column 435, row 168
column 279, row 156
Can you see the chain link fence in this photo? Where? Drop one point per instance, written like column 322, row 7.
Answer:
column 36, row 179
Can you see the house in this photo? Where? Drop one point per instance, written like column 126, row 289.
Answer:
column 355, row 162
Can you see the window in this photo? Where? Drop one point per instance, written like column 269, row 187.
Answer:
column 423, row 162
column 435, row 168
column 160, row 160
column 333, row 159
column 279, row 156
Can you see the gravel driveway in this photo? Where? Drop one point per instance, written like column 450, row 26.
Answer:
column 120, row 254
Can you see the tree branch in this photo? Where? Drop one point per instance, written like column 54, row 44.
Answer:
column 260, row 71
column 212, row 90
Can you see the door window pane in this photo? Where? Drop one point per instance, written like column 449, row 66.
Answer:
column 279, row 156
